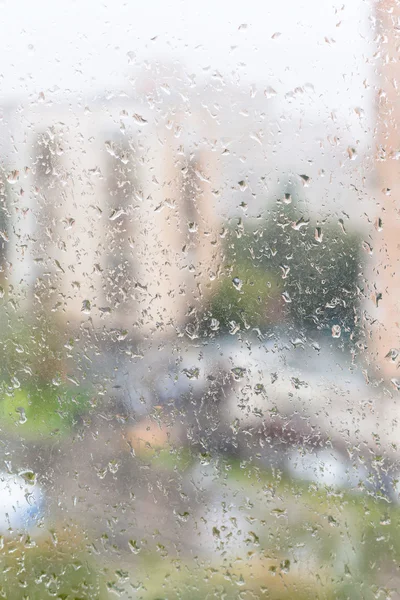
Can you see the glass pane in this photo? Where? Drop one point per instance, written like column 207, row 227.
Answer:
column 199, row 307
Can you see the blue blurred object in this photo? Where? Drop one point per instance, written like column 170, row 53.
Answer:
column 21, row 503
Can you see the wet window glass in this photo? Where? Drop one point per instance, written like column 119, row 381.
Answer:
column 199, row 300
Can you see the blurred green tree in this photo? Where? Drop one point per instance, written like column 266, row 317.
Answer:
column 291, row 268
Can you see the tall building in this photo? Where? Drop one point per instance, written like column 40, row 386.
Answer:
column 385, row 280
column 111, row 211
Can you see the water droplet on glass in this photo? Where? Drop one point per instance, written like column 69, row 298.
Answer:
column 300, row 223
column 238, row 283
column 13, row 177
column 28, row 476
column 86, row 307
column 305, row 180
column 192, row 373
column 139, row 119
column 287, row 199
column 393, row 354
column 318, row 235
column 238, row 373
column 269, row 92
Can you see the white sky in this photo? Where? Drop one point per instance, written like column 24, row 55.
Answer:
column 82, row 45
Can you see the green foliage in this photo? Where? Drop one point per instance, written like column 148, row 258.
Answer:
column 253, row 305
column 244, row 579
column 316, row 265
column 31, row 349
column 44, row 571
column 35, row 398
column 41, row 411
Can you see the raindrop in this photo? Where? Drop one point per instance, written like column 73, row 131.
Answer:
column 192, row 373
column 300, row 223
column 139, row 119
column 318, row 235
column 214, row 324
column 13, row 177
column 116, row 213
column 352, row 152
column 238, row 373
column 392, row 355
column 305, row 179
column 269, row 92
column 287, row 199
column 28, row 476
column 86, row 307
column 238, row 283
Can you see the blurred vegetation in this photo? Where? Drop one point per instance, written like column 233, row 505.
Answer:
column 244, row 580
column 33, row 412
column 48, row 568
column 291, row 268
column 297, row 539
column 255, row 304
column 37, row 398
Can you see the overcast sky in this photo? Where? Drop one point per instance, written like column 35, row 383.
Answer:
column 83, row 45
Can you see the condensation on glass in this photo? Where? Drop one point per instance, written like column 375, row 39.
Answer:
column 199, row 307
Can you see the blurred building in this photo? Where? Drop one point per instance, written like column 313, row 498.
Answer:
column 385, row 281
column 108, row 210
